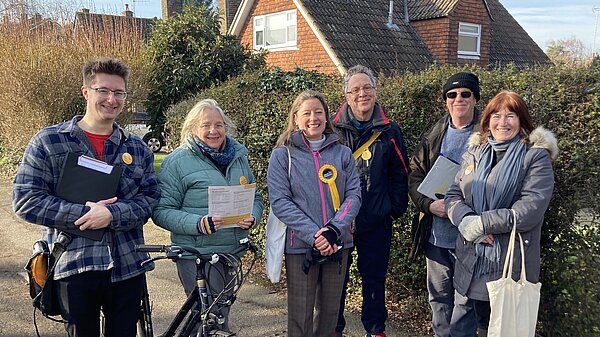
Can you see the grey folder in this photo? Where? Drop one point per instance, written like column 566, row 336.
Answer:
column 79, row 184
column 439, row 178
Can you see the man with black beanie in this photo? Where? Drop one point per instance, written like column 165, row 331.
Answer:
column 433, row 233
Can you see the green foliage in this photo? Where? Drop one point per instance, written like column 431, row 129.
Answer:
column 187, row 53
column 565, row 100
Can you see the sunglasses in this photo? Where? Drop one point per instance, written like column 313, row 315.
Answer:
column 453, row 94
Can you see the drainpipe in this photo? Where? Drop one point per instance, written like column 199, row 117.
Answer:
column 390, row 24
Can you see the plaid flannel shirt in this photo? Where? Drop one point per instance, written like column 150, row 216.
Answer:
column 34, row 199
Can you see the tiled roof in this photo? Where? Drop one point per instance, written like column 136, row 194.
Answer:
column 91, row 23
column 356, row 31
column 429, row 9
column 510, row 42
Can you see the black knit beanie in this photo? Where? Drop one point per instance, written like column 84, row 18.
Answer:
column 463, row 80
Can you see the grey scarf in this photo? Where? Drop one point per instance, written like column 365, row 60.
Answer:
column 504, row 187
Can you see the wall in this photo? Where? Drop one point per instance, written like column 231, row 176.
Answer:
column 309, row 54
column 441, row 35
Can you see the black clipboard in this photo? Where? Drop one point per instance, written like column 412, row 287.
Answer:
column 85, row 179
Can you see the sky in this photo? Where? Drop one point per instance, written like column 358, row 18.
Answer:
column 544, row 20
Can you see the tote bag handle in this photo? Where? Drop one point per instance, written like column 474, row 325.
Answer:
column 508, row 262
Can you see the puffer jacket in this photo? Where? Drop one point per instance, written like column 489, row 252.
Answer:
column 184, row 178
column 534, row 190
column 302, row 201
column 383, row 177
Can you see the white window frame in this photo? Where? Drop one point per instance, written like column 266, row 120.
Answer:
column 260, row 25
column 469, row 54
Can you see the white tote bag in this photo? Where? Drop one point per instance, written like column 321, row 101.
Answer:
column 275, row 242
column 514, row 304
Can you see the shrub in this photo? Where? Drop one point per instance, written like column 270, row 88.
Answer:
column 40, row 78
column 187, row 53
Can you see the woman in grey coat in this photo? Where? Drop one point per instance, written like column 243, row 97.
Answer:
column 315, row 190
column 507, row 166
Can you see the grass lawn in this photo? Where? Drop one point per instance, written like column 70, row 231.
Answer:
column 158, row 158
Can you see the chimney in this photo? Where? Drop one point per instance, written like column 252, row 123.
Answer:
column 171, row 8
column 37, row 18
column 85, row 11
column 127, row 13
column 227, row 10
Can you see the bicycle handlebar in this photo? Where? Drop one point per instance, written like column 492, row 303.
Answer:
column 175, row 252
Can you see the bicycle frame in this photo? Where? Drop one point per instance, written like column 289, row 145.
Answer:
column 196, row 307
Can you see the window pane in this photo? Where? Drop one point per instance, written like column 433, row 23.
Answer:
column 469, row 29
column 467, row 43
column 291, row 33
column 276, row 36
column 258, row 22
column 291, row 17
column 259, row 39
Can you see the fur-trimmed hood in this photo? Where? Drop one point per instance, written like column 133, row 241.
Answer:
column 539, row 138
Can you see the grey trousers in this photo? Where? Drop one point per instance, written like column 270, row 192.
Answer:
column 453, row 314
column 217, row 275
column 314, row 299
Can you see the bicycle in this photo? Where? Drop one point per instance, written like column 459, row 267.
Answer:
column 197, row 307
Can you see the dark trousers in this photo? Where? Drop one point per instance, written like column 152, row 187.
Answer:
column 373, row 250
column 482, row 311
column 82, row 295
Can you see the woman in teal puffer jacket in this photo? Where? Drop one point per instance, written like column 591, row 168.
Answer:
column 206, row 157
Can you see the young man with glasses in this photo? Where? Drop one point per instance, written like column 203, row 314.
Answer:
column 103, row 272
column 382, row 163
column 433, row 233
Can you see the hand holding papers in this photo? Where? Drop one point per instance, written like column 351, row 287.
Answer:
column 232, row 203
column 439, row 178
column 84, row 179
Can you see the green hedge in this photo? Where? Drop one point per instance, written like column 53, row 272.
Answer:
column 565, row 100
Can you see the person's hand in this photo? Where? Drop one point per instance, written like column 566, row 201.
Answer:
column 488, row 239
column 247, row 223
column 471, row 227
column 438, row 209
column 218, row 221
column 321, row 243
column 97, row 217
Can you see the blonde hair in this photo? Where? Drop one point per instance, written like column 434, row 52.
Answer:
column 285, row 137
column 197, row 112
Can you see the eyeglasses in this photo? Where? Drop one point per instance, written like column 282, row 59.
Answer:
column 105, row 93
column 368, row 89
column 453, row 94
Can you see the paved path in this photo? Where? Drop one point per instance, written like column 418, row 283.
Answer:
column 258, row 312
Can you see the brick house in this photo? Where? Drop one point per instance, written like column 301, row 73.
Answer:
column 333, row 35
column 90, row 25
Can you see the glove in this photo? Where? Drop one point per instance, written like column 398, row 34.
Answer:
column 206, row 225
column 471, row 227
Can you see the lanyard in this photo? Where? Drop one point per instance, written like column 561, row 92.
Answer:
column 363, row 151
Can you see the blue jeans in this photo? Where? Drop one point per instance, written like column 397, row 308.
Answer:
column 453, row 314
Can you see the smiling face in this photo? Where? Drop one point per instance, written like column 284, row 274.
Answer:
column 211, row 128
column 100, row 108
column 361, row 96
column 461, row 109
column 504, row 125
column 311, row 119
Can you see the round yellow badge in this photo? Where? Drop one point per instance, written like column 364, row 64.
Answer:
column 243, row 180
column 327, row 173
column 469, row 169
column 127, row 158
column 366, row 155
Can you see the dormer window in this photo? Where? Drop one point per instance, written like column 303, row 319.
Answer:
column 276, row 31
column 469, row 40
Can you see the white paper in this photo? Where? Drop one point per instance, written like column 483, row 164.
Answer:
column 233, row 203
column 94, row 164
